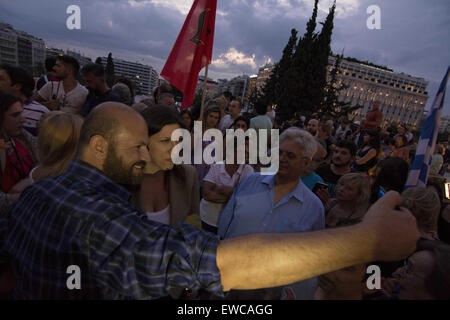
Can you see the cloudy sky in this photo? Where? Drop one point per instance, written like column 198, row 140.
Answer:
column 414, row 35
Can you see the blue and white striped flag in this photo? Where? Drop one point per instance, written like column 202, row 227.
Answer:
column 419, row 170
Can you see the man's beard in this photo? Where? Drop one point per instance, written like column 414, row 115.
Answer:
column 115, row 169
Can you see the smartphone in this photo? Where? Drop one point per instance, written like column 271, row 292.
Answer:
column 319, row 185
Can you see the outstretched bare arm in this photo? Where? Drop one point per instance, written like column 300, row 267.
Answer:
column 269, row 260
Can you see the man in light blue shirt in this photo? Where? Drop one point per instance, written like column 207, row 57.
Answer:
column 279, row 203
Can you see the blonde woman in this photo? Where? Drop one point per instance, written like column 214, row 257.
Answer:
column 425, row 205
column 57, row 144
column 349, row 207
column 352, row 200
column 58, row 137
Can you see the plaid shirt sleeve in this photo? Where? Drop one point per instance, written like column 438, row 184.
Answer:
column 183, row 257
column 82, row 218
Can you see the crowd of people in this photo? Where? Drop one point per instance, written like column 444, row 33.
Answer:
column 88, row 179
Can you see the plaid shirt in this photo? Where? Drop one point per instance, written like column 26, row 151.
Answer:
column 82, row 218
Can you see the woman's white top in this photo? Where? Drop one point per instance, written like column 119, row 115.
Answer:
column 162, row 216
column 210, row 211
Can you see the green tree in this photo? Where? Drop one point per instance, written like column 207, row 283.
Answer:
column 298, row 82
column 322, row 51
column 98, row 60
column 331, row 105
column 109, row 71
column 272, row 89
column 254, row 97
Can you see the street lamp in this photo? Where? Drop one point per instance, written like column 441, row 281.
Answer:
column 138, row 86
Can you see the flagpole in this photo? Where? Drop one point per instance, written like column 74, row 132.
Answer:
column 205, row 81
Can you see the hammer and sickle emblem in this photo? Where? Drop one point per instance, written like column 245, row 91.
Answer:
column 201, row 24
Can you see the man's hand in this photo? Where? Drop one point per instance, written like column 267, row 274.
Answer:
column 225, row 190
column 388, row 286
column 395, row 230
column 269, row 260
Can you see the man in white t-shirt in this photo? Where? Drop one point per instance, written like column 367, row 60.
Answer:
column 235, row 109
column 67, row 95
column 218, row 185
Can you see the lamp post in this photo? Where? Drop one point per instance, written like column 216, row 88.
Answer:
column 138, row 86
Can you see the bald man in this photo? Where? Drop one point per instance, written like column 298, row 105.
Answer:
column 313, row 127
column 76, row 235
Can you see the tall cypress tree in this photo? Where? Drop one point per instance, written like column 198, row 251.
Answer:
column 322, row 50
column 299, row 80
column 109, row 71
column 311, row 25
column 272, row 89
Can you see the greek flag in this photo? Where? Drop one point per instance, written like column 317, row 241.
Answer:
column 419, row 170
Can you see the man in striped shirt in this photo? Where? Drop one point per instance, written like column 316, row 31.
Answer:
column 19, row 82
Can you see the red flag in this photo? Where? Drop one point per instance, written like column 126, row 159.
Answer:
column 192, row 50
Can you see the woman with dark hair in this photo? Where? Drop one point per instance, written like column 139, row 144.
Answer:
column 401, row 149
column 165, row 87
column 367, row 156
column 57, row 143
column 211, row 116
column 241, row 122
column 391, row 174
column 188, row 120
column 15, row 159
column 168, row 192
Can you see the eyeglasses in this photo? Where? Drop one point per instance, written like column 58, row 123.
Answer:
column 290, row 155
